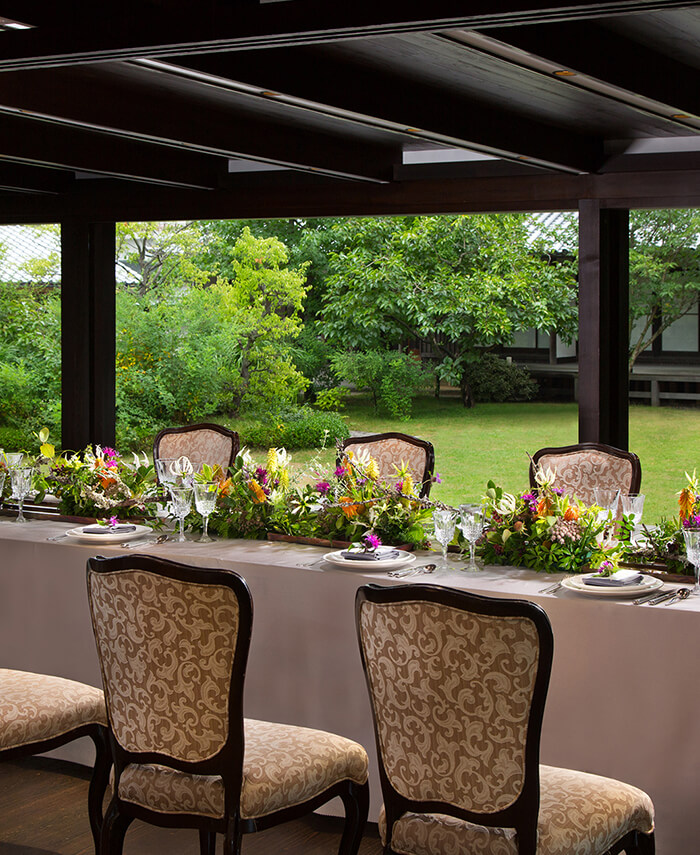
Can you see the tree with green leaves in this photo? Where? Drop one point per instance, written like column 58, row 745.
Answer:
column 463, row 284
column 664, row 272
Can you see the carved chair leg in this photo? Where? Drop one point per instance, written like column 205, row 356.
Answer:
column 356, row 803
column 207, row 842
column 113, row 830
column 98, row 783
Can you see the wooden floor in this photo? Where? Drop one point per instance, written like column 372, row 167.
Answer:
column 43, row 811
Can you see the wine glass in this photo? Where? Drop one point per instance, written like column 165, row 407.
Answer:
column 444, row 523
column 608, row 501
column 3, row 475
column 13, row 459
column 21, row 481
column 692, row 549
column 633, row 505
column 166, row 471
column 471, row 523
column 181, row 505
column 205, row 493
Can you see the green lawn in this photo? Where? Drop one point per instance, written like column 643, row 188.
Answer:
column 493, row 440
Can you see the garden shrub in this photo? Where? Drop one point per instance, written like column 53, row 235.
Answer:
column 17, row 439
column 391, row 377
column 302, row 427
column 332, row 399
column 493, row 380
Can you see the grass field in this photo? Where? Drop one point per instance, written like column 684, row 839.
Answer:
column 493, row 440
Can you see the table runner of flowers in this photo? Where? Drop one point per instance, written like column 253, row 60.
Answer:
column 541, row 528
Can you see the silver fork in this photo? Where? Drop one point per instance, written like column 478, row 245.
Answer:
column 426, row 569
column 550, row 589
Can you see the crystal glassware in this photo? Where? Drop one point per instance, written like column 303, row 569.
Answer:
column 205, row 493
column 444, row 520
column 3, row 475
column 692, row 550
column 181, row 505
column 21, row 480
column 608, row 501
column 633, row 505
column 13, row 459
column 165, row 469
column 471, row 523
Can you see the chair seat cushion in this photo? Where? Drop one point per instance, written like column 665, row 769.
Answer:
column 579, row 813
column 35, row 708
column 283, row 766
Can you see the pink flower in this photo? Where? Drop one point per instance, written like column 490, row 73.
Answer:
column 323, row 487
column 110, row 453
column 371, row 541
column 113, row 522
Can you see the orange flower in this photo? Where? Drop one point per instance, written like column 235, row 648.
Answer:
column 106, row 481
column 686, row 501
column 225, row 487
column 572, row 513
column 350, row 508
column 544, row 506
column 257, row 491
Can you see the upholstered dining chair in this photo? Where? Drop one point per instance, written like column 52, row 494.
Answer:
column 392, row 449
column 581, row 468
column 202, row 443
column 457, row 684
column 173, row 645
column 39, row 713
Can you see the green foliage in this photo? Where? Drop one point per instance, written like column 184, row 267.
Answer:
column 15, row 439
column 462, row 284
column 302, row 427
column 332, row 399
column 392, row 378
column 311, row 357
column 493, row 380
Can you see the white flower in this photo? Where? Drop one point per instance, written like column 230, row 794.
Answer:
column 182, row 466
column 506, row 504
column 284, row 458
column 545, row 477
column 246, row 457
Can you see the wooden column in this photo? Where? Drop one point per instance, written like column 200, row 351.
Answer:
column 603, row 341
column 88, row 288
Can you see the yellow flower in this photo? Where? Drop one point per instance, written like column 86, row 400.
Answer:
column 372, row 469
column 407, row 485
column 284, row 479
column 271, row 460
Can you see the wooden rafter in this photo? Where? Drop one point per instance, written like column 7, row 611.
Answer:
column 140, row 29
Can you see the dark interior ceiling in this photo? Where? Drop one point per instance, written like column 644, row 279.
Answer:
column 155, row 109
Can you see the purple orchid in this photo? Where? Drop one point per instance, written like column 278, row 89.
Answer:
column 323, row 487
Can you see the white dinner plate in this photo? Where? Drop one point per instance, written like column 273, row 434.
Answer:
column 576, row 583
column 403, row 560
column 109, row 537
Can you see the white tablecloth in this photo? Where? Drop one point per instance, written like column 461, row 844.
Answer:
column 623, row 699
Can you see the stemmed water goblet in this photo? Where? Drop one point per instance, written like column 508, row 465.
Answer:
column 12, row 459
column 692, row 550
column 181, row 505
column 205, row 493
column 166, row 470
column 608, row 501
column 633, row 505
column 21, row 480
column 444, row 520
column 471, row 523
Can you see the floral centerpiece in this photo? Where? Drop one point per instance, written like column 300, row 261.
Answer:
column 96, row 482
column 345, row 504
column 546, row 530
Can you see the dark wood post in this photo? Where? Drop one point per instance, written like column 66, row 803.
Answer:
column 603, row 340
column 88, row 287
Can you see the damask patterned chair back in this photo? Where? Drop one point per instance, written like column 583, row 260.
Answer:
column 172, row 642
column 457, row 684
column 583, row 467
column 390, row 450
column 202, row 443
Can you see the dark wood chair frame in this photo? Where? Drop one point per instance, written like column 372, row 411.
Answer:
column 427, row 477
column 523, row 813
column 100, row 771
column 228, row 762
column 235, row 440
column 636, row 481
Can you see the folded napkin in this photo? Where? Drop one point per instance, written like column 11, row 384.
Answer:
column 618, row 579
column 377, row 555
column 108, row 529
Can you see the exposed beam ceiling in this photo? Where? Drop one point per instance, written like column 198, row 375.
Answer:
column 143, row 29
column 373, row 98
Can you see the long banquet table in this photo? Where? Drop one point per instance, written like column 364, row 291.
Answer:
column 624, row 693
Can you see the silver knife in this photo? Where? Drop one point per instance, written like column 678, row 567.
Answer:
column 661, row 598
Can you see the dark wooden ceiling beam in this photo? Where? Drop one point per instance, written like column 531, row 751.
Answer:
column 310, row 198
column 135, row 105
column 592, row 50
column 22, row 178
column 139, row 29
column 24, row 141
column 373, row 97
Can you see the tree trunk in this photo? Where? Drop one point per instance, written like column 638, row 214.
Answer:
column 466, row 391
column 437, row 386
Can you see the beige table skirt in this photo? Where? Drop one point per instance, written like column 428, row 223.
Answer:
column 623, row 701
